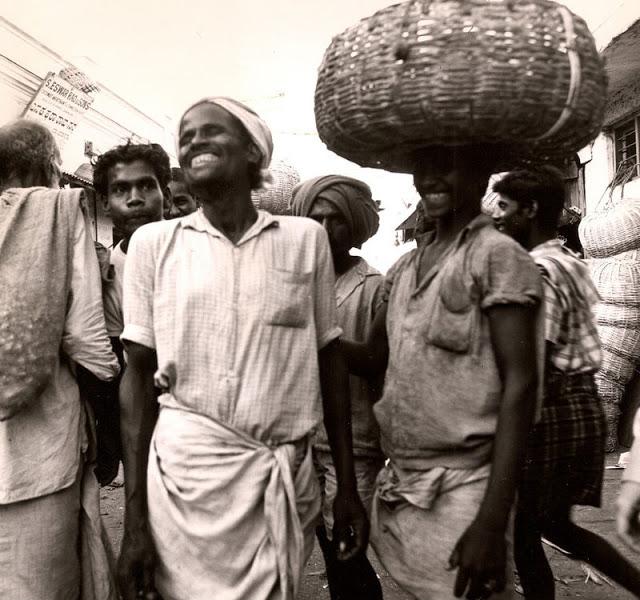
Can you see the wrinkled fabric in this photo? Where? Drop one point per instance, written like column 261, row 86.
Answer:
column 55, row 546
column 443, row 389
column 350, row 196
column 41, row 445
column 417, row 519
column 257, row 129
column 358, row 296
column 231, row 518
column 569, row 299
column 36, row 247
column 241, row 322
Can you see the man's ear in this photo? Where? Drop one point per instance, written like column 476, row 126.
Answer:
column 531, row 211
column 105, row 204
column 166, row 199
column 253, row 154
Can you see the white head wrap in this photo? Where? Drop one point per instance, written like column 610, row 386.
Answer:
column 257, row 129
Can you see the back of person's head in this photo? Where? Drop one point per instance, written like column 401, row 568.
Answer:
column 28, row 153
column 152, row 154
column 542, row 186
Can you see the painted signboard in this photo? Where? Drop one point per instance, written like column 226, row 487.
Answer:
column 58, row 105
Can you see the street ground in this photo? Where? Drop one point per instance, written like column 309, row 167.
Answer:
column 572, row 581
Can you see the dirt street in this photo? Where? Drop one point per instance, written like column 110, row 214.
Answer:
column 571, row 579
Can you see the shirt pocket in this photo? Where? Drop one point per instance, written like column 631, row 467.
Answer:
column 453, row 320
column 288, row 298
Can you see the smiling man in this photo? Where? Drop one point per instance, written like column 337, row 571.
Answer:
column 237, row 309
column 456, row 340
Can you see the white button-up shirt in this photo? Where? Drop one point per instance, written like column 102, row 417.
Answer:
column 242, row 322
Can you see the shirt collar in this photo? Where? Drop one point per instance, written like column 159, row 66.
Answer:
column 351, row 279
column 199, row 222
column 554, row 245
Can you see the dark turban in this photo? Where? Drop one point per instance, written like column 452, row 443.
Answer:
column 350, row 196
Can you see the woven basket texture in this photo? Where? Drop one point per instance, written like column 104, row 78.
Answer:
column 611, row 395
column 276, row 199
column 617, row 281
column 430, row 72
column 608, row 233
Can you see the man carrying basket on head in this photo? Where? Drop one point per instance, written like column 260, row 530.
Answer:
column 456, row 338
column 443, row 90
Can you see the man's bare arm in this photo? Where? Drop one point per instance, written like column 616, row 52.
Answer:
column 138, row 416
column 480, row 554
column 351, row 530
column 369, row 358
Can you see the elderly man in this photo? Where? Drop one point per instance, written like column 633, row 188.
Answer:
column 237, row 309
column 344, row 207
column 51, row 320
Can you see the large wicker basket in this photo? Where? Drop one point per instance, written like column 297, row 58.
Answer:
column 276, row 198
column 612, row 231
column 520, row 73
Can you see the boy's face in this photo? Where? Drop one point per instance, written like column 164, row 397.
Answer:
column 511, row 218
column 134, row 196
column 182, row 201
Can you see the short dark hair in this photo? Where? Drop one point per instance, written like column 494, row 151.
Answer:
column 25, row 147
column 152, row 154
column 177, row 175
column 543, row 185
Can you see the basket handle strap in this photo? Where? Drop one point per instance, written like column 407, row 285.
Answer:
column 575, row 81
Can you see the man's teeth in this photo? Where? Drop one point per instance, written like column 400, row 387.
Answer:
column 203, row 159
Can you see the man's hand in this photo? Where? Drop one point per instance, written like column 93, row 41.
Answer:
column 481, row 558
column 628, row 520
column 351, row 526
column 136, row 567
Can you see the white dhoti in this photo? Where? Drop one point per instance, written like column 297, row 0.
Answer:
column 231, row 518
column 418, row 518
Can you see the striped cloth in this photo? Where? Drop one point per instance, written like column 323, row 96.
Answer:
column 569, row 297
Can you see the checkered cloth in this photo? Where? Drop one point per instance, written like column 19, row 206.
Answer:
column 569, row 296
column 565, row 457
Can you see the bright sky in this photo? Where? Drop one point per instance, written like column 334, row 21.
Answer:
column 161, row 55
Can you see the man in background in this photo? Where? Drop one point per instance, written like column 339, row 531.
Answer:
column 346, row 210
column 181, row 201
column 132, row 182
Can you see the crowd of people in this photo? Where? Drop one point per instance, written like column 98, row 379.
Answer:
column 264, row 388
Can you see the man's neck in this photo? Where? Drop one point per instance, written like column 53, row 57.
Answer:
column 343, row 262
column 448, row 228
column 230, row 211
column 537, row 237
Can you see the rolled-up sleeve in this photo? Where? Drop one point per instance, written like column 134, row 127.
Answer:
column 508, row 275
column 632, row 472
column 84, row 337
column 137, row 303
column 325, row 310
